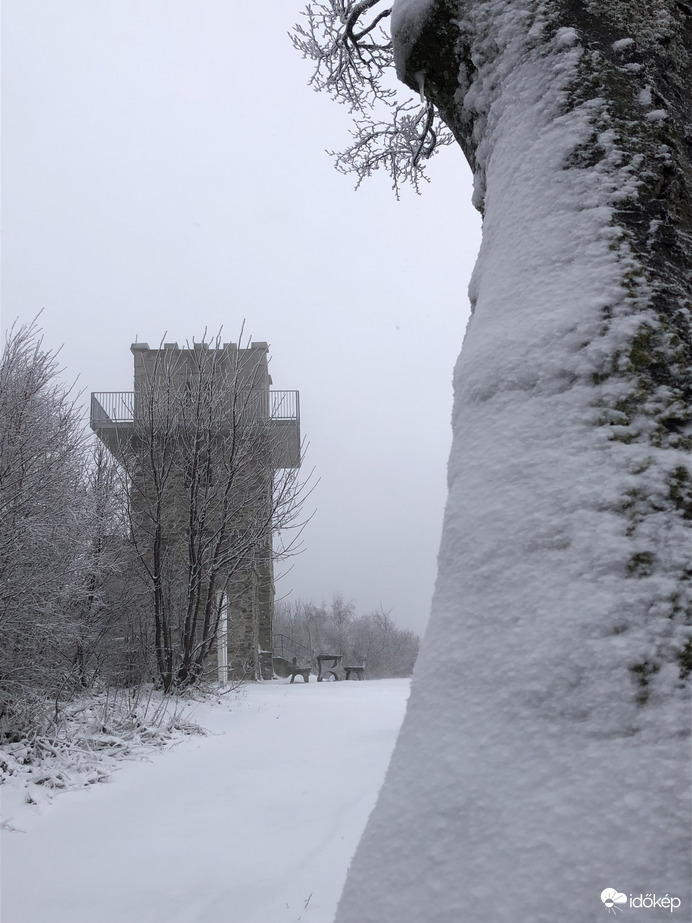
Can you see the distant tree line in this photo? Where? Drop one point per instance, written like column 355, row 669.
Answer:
column 373, row 638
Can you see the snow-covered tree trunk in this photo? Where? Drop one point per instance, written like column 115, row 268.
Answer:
column 545, row 753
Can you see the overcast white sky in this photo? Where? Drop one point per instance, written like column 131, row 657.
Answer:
column 163, row 171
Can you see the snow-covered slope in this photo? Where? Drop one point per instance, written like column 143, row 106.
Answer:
column 544, row 756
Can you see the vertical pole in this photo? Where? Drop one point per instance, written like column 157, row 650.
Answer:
column 222, row 638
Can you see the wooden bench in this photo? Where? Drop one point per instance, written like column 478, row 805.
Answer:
column 301, row 671
column 285, row 668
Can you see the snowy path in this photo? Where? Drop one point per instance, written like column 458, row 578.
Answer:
column 255, row 823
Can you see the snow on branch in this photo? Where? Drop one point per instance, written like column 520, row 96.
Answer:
column 353, row 60
column 349, row 65
column 397, row 145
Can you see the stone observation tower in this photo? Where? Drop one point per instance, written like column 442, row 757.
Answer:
column 202, row 439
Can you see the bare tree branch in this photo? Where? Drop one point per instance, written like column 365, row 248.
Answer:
column 397, row 145
column 353, row 66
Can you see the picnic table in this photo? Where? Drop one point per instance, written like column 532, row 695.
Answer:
column 326, row 667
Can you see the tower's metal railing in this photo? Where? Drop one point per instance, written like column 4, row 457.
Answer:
column 112, row 407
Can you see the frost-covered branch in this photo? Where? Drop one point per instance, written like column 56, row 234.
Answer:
column 347, row 66
column 353, row 60
column 398, row 145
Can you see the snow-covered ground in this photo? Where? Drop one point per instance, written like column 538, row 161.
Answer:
column 254, row 823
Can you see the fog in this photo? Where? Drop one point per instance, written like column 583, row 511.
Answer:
column 164, row 172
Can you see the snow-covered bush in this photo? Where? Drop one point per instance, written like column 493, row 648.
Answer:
column 70, row 602
column 41, row 526
column 113, row 641
column 83, row 744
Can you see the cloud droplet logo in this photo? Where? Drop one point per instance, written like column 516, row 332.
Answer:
column 611, row 898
